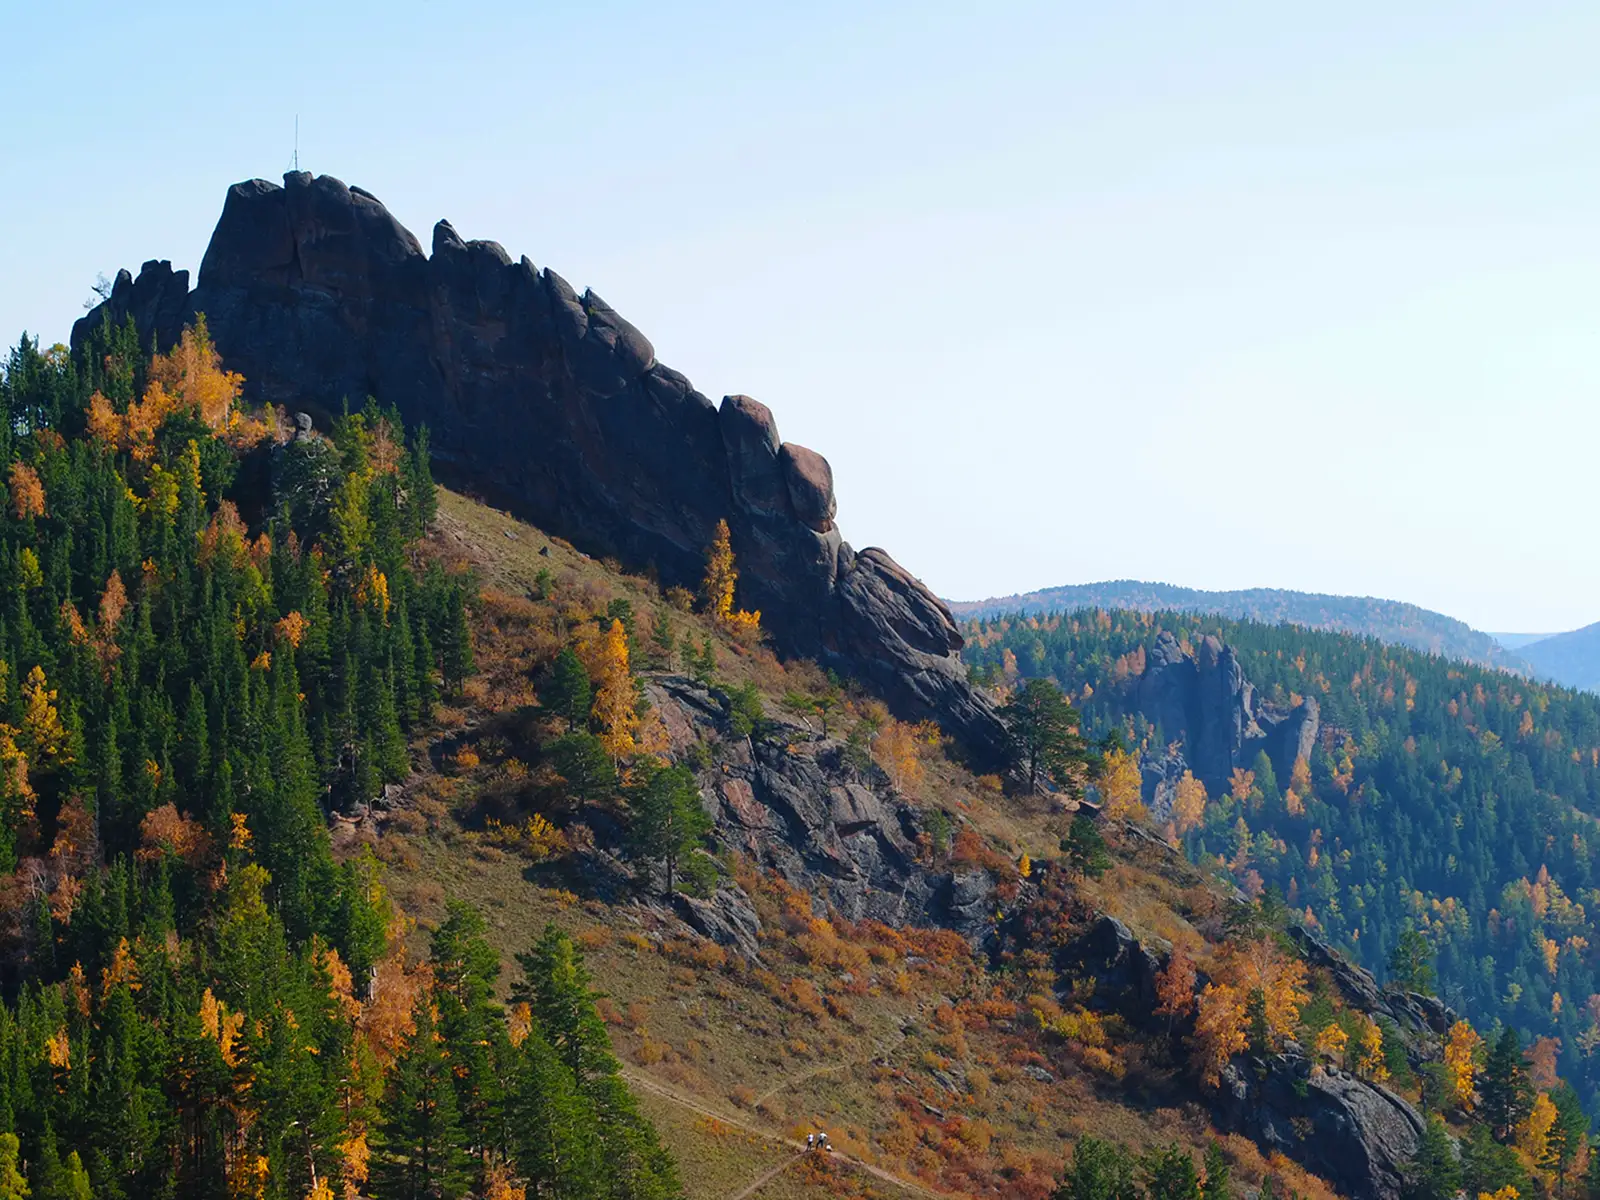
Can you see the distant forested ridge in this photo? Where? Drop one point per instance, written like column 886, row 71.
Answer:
column 1572, row 658
column 1439, row 797
column 1391, row 621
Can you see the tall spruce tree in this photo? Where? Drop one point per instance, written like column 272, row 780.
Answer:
column 1045, row 729
column 1507, row 1095
column 421, row 1149
column 667, row 821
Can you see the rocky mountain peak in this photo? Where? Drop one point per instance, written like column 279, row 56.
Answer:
column 553, row 405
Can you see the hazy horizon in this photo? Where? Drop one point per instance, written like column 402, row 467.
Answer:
column 1234, row 298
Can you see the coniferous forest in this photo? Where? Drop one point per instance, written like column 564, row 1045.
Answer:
column 215, row 630
column 1441, row 799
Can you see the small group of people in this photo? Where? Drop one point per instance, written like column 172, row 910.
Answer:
column 817, row 1141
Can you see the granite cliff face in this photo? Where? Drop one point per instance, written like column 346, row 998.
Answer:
column 1203, row 701
column 551, row 404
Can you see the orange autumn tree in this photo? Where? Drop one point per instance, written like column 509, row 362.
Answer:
column 1120, row 785
column 27, row 492
column 1189, row 804
column 1175, row 986
column 716, row 589
column 189, row 379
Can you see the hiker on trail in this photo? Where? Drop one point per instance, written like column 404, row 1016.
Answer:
column 811, row 1140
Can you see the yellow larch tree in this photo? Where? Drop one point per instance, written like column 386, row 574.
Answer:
column 16, row 793
column 1463, row 1051
column 498, row 1185
column 357, row 1157
column 1370, row 1063
column 1533, row 1133
column 1189, row 804
column 1332, row 1042
column 615, row 704
column 42, row 730
column 716, row 589
column 1120, row 785
column 1219, row 1030
column 898, row 751
column 1259, row 966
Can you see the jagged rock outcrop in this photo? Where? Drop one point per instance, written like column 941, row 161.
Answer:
column 550, row 403
column 796, row 806
column 727, row 917
column 1421, row 1021
column 1159, row 778
column 1203, row 702
column 1124, row 971
column 1356, row 1134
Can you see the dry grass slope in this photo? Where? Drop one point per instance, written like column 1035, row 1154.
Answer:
column 919, row 1061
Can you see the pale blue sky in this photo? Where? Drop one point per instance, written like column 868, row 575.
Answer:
column 1224, row 295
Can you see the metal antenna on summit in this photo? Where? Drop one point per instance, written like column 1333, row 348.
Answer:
column 297, row 141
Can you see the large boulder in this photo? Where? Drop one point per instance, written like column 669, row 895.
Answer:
column 549, row 403
column 1357, row 1135
column 1123, row 969
column 727, row 917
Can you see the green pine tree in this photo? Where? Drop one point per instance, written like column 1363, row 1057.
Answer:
column 1100, row 1170
column 1219, row 1179
column 1434, row 1172
column 1085, row 848
column 1045, row 729
column 1411, row 963
column 421, row 1150
column 1169, row 1174
column 1507, row 1095
column 667, row 820
column 567, row 692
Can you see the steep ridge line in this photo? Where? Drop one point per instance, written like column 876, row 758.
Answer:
column 551, row 404
column 1396, row 622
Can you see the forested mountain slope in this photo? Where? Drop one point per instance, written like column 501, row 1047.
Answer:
column 1433, row 796
column 294, row 764
column 298, row 751
column 1391, row 621
column 555, row 405
column 216, row 629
